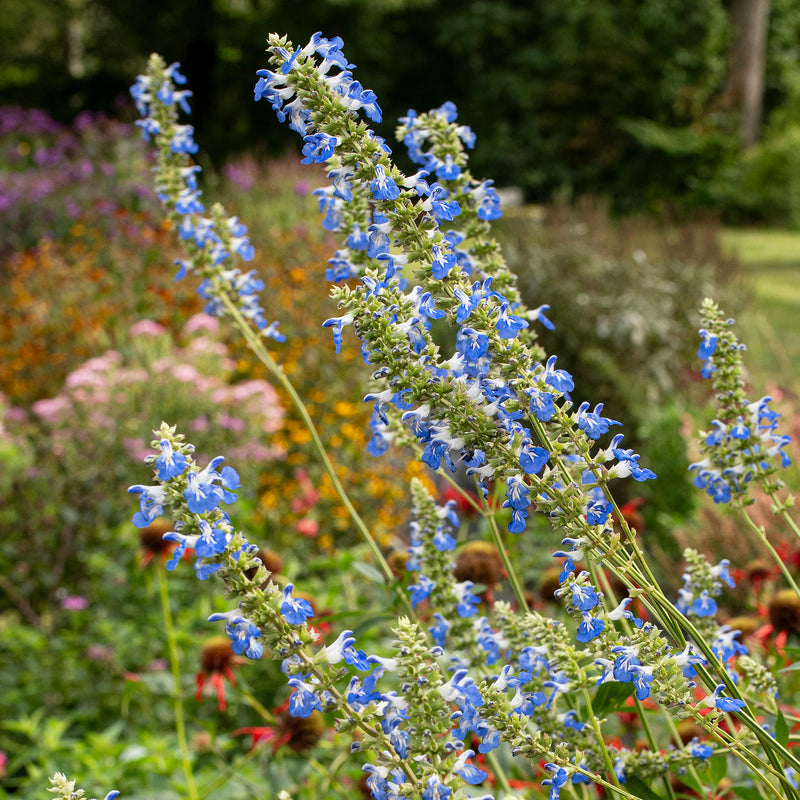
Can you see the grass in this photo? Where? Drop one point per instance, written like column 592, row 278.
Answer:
column 771, row 322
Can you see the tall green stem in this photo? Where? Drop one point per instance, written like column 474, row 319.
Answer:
column 177, row 699
column 256, row 344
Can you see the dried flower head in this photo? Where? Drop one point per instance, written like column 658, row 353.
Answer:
column 152, row 540
column 216, row 663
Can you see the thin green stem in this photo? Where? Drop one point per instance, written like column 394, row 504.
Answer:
column 244, row 690
column 497, row 770
column 228, row 771
column 513, row 579
column 177, row 699
column 762, row 536
column 598, row 732
column 781, row 509
column 256, row 344
column 599, row 578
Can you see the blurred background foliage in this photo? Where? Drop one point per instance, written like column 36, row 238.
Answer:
column 641, row 101
column 595, row 108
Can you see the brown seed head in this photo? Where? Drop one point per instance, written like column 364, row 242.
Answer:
column 152, row 539
column 688, row 730
column 747, row 625
column 479, row 562
column 784, row 611
column 304, row 733
column 216, row 655
column 757, row 570
column 397, row 562
column 272, row 562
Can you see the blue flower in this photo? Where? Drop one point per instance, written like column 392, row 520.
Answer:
column 383, row 187
column 509, row 325
column 440, row 630
column 211, row 541
column 532, row 458
column 337, row 323
column 295, row 610
column 560, row 777
column 542, row 405
column 466, row 599
column 318, row 148
column 443, row 541
column 177, row 555
column 342, row 649
column 488, row 201
column 303, row 701
column 705, row 605
column 709, row 344
column 440, row 208
column 471, row 344
column 201, row 496
column 468, row 772
column 590, row 628
column 151, row 504
column 591, row 422
column 700, row 750
column 420, row 590
column 584, row 598
column 726, row 704
column 517, row 493
column 538, row 313
column 448, row 170
column 244, row 635
column 558, row 379
column 598, row 508
column 436, row 790
column 443, row 262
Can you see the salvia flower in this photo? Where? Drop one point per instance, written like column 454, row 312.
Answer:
column 743, row 445
column 213, row 242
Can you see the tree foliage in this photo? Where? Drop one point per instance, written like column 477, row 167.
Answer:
column 614, row 97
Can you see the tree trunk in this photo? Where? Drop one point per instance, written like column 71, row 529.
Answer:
column 744, row 86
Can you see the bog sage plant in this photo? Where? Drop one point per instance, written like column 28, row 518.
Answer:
column 469, row 694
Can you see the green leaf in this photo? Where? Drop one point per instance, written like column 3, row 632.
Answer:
column 717, row 768
column 638, row 787
column 693, row 783
column 781, row 729
column 372, row 622
column 369, row 572
column 747, row 793
column 611, row 697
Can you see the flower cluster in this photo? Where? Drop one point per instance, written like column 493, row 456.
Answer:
column 274, row 619
column 490, row 404
column 214, row 242
column 495, row 405
column 526, row 665
column 743, row 446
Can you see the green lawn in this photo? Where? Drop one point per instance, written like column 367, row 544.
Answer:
column 771, row 323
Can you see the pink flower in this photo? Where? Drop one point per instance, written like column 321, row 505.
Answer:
column 232, row 423
column 307, row 527
column 186, row 373
column 74, row 602
column 51, row 409
column 201, row 322
column 146, row 327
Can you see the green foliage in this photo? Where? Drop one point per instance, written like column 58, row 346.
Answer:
column 618, row 296
column 612, row 98
column 87, row 444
